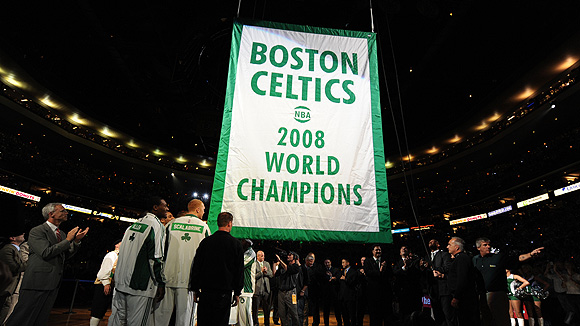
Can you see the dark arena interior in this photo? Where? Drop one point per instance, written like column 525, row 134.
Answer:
column 105, row 103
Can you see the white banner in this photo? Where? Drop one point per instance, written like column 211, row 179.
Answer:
column 301, row 155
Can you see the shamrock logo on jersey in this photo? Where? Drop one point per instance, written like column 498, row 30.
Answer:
column 186, row 237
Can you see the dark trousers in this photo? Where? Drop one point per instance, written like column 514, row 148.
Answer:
column 213, row 308
column 448, row 311
column 409, row 302
column 314, row 309
column 101, row 302
column 302, row 301
column 380, row 310
column 274, row 304
column 327, row 304
column 261, row 301
column 468, row 313
column 33, row 308
column 361, row 307
column 287, row 310
column 348, row 312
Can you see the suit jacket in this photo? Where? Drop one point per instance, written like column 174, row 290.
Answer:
column 408, row 280
column 347, row 287
column 12, row 257
column 441, row 263
column 263, row 279
column 329, row 288
column 378, row 283
column 462, row 278
column 46, row 259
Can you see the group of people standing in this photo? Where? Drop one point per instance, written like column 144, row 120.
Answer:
column 180, row 269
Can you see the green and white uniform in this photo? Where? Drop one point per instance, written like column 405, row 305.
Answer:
column 139, row 271
column 245, row 306
column 183, row 237
column 511, row 288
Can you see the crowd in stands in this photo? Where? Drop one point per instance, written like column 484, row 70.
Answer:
column 95, row 137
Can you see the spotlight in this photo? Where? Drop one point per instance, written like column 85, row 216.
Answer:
column 172, row 174
column 195, row 194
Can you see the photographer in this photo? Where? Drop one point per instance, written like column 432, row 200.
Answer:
column 287, row 296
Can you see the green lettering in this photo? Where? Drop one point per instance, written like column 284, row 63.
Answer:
column 355, row 189
column 323, row 61
column 306, row 163
column 273, row 61
column 317, row 89
column 275, row 83
column 258, row 53
column 318, row 170
column 330, row 170
column 296, row 164
column 304, row 189
column 305, row 81
column 289, row 88
column 316, row 192
column 299, row 62
column 240, row 185
column 272, row 191
column 259, row 189
column 274, row 161
column 344, row 193
column 351, row 97
column 352, row 64
column 328, row 90
column 289, row 192
column 330, row 199
column 254, row 82
column 311, row 53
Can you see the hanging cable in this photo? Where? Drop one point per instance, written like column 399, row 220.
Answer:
column 239, row 6
column 372, row 18
column 404, row 132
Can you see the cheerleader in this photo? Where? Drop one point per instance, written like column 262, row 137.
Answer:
column 532, row 302
column 515, row 303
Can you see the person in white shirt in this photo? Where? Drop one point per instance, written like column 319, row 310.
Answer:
column 183, row 237
column 103, row 287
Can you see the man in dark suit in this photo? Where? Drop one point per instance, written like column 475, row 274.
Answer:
column 408, row 283
column 439, row 262
column 329, row 293
column 462, row 278
column 262, row 292
column 216, row 271
column 49, row 248
column 10, row 254
column 379, row 290
column 347, row 293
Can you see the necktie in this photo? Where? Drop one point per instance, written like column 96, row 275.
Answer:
column 58, row 237
column 378, row 263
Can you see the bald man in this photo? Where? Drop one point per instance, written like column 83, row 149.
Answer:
column 262, row 292
column 184, row 235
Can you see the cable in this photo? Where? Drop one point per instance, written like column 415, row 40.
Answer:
column 404, row 131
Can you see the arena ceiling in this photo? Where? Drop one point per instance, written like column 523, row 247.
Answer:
column 156, row 70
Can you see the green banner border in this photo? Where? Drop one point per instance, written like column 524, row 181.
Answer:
column 384, row 235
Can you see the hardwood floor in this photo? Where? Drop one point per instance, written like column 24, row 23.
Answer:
column 58, row 317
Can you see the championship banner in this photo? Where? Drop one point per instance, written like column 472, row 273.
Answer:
column 301, row 151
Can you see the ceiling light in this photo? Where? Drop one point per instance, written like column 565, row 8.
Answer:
column 525, row 94
column 454, row 139
column 107, row 132
column 132, row 143
column 566, row 64
column 433, row 150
